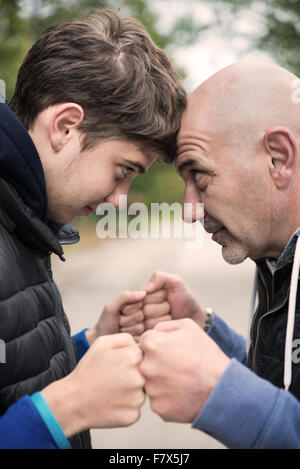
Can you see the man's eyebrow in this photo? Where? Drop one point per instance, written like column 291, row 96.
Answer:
column 186, row 164
column 141, row 169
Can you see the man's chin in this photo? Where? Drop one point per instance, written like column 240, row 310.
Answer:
column 234, row 253
column 233, row 258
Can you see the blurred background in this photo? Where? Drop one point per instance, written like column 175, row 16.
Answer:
column 200, row 37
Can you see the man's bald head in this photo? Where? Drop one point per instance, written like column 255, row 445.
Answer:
column 246, row 99
column 239, row 154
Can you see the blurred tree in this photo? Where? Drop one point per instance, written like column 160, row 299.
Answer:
column 22, row 21
column 279, row 33
column 15, row 40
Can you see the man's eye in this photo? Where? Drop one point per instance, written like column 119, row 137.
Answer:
column 200, row 178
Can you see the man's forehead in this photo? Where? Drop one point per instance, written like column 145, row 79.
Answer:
column 195, row 120
column 194, row 131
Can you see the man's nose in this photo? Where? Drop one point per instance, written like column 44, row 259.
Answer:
column 193, row 207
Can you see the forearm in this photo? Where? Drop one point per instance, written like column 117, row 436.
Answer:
column 246, row 411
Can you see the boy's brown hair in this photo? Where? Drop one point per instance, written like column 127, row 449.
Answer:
column 111, row 67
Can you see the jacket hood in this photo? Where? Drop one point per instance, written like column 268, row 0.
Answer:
column 20, row 163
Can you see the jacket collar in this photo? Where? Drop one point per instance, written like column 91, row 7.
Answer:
column 285, row 258
column 289, row 251
column 28, row 227
column 20, row 163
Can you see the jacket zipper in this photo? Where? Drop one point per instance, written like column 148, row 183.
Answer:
column 262, row 317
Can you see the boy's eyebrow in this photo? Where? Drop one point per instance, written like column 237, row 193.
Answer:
column 140, row 168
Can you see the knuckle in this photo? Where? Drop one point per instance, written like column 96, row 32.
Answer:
column 144, row 370
column 128, row 338
column 134, row 354
column 140, row 316
column 152, row 342
column 139, row 354
column 150, row 323
column 122, row 321
column 140, row 381
column 139, row 328
column 126, row 310
column 147, row 310
column 146, row 339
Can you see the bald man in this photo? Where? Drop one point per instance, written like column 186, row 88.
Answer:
column 239, row 154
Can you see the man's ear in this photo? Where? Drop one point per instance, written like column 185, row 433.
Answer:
column 281, row 147
column 66, row 119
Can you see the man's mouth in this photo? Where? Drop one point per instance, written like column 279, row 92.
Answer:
column 215, row 233
column 213, row 229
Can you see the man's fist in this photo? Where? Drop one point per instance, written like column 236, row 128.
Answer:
column 177, row 300
column 181, row 365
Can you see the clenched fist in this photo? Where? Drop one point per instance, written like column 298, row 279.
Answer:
column 170, row 298
column 105, row 389
column 181, row 365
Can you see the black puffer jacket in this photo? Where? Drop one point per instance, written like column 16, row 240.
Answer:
column 39, row 349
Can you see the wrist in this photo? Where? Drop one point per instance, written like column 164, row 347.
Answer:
column 91, row 335
column 200, row 316
column 64, row 402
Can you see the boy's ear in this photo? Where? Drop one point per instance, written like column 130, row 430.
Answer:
column 281, row 148
column 65, row 120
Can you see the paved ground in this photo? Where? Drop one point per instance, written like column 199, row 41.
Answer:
column 95, row 272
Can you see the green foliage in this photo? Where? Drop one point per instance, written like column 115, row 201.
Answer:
column 160, row 184
column 15, row 40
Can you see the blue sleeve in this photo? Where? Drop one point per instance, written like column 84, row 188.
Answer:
column 81, row 343
column 245, row 411
column 232, row 344
column 22, row 427
column 50, row 420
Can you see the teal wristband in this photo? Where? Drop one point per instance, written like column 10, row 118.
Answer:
column 50, row 421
